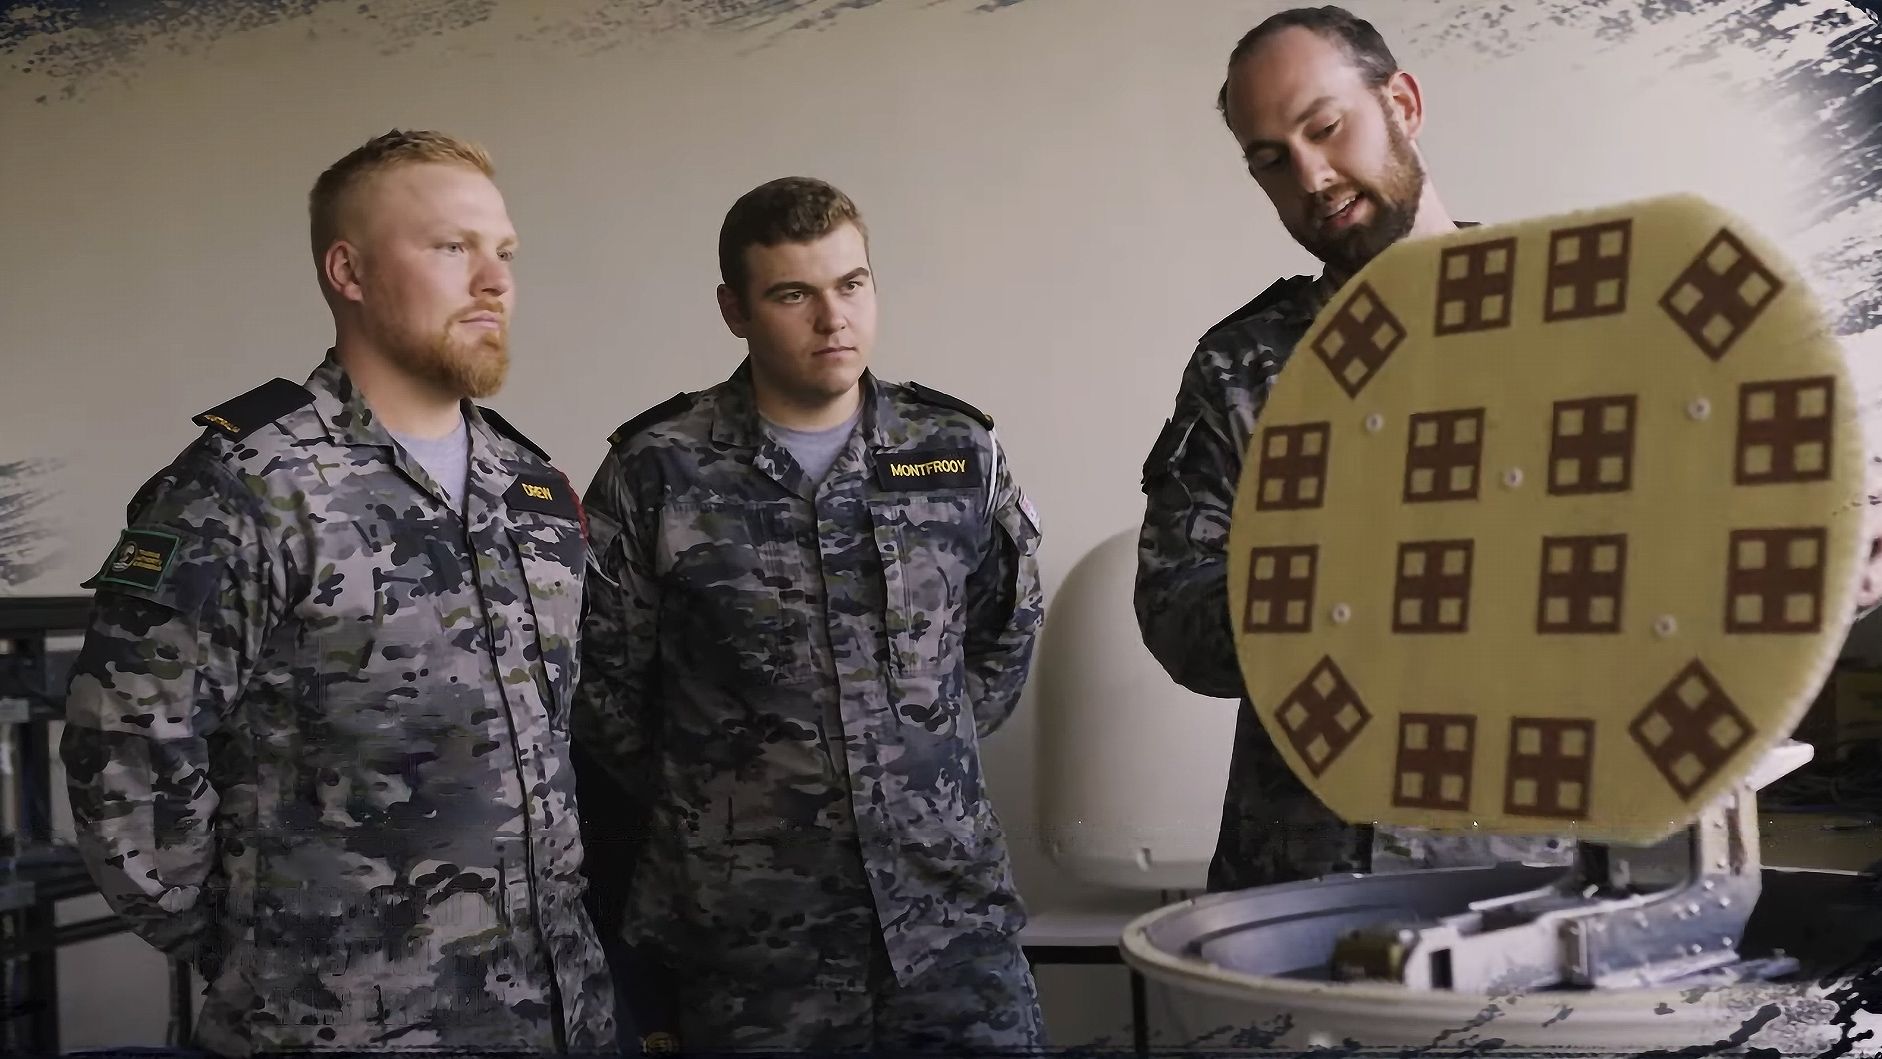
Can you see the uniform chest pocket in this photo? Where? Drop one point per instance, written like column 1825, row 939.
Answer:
column 553, row 556
column 380, row 597
column 927, row 545
column 378, row 633
column 738, row 592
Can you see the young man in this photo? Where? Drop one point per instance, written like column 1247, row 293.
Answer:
column 1328, row 125
column 316, row 737
column 817, row 594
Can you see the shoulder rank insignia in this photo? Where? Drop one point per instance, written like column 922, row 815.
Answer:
column 936, row 397
column 673, row 405
column 502, row 426
column 242, row 416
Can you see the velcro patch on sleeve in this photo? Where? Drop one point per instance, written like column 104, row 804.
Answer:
column 928, row 469
column 1032, row 513
column 141, row 559
column 549, row 496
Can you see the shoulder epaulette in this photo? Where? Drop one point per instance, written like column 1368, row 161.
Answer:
column 242, row 416
column 502, row 426
column 1278, row 290
column 673, row 405
column 946, row 400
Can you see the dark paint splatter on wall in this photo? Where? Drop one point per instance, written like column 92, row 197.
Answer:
column 1820, row 59
column 1848, row 82
column 74, row 43
column 1736, row 1040
column 26, row 542
column 149, row 18
column 1837, row 89
column 1822, row 62
column 141, row 22
column 1858, row 991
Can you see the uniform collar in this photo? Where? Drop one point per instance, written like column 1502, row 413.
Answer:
column 1320, row 290
column 736, row 423
column 342, row 407
column 349, row 420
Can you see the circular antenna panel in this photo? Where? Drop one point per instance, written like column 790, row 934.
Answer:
column 1588, row 491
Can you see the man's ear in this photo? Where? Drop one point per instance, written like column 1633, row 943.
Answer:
column 340, row 268
column 1405, row 99
column 731, row 311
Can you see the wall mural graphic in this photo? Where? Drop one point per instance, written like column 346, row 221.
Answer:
column 1817, row 60
column 74, row 44
column 1821, row 59
column 27, row 544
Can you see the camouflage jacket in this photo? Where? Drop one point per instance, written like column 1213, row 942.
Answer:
column 317, row 735
column 1273, row 828
column 792, row 679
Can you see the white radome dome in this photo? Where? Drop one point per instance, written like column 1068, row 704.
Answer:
column 1131, row 766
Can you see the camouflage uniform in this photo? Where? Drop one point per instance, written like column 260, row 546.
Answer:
column 316, row 737
column 1273, row 828
column 789, row 681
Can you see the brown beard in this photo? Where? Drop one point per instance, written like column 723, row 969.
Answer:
column 472, row 368
column 1394, row 201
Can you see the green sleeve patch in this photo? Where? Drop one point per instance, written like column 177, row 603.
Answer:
column 141, row 559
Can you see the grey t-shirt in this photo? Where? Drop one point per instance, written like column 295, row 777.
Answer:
column 446, row 459
column 815, row 450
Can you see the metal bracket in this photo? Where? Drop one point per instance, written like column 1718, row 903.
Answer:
column 1620, row 917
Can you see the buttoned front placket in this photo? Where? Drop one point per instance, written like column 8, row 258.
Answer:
column 517, row 716
column 854, row 588
column 863, row 567
column 847, row 574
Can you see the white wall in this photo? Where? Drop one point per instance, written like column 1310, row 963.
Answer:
column 1056, row 209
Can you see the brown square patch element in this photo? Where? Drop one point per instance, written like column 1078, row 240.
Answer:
column 1721, row 294
column 1582, row 582
column 1691, row 729
column 1359, row 339
column 1433, row 590
column 1280, row 589
column 1444, row 456
column 1551, row 767
column 1592, row 448
column 1785, row 429
column 1475, row 286
column 1293, row 467
column 1588, row 268
column 1435, row 753
column 1322, row 716
column 1774, row 581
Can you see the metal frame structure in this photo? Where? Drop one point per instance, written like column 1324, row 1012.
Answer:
column 36, row 871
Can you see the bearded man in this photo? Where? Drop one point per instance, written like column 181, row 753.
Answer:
column 1328, row 125
column 316, row 739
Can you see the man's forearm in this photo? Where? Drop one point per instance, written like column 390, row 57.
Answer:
column 149, row 850
column 1183, row 616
